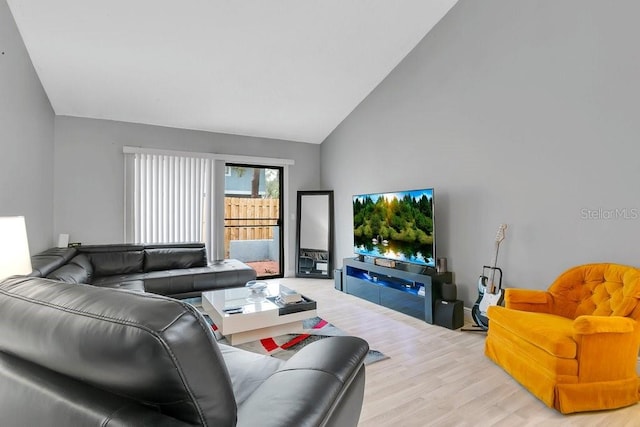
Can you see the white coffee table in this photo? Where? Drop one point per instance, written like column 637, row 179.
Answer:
column 257, row 320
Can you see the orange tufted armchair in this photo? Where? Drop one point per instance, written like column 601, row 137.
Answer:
column 574, row 346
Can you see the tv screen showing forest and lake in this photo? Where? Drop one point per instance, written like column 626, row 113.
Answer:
column 397, row 226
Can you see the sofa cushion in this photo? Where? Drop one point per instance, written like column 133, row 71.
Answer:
column 551, row 333
column 78, row 270
column 113, row 281
column 110, row 263
column 173, row 282
column 154, row 350
column 596, row 289
column 228, row 273
column 129, row 285
column 172, row 258
column 70, row 273
column 83, row 261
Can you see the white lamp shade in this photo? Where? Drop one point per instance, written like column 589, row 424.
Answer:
column 14, row 247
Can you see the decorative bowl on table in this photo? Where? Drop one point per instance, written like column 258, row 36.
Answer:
column 258, row 291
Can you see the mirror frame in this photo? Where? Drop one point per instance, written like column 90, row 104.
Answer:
column 313, row 272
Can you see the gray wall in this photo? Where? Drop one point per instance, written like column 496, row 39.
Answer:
column 519, row 112
column 89, row 176
column 26, row 138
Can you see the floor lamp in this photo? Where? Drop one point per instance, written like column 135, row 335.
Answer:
column 14, row 247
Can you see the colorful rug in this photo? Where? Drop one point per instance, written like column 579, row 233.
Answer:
column 285, row 346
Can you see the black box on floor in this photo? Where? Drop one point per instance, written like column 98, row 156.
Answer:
column 449, row 314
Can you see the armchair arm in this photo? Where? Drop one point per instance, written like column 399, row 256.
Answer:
column 607, row 347
column 528, row 300
column 323, row 384
column 587, row 325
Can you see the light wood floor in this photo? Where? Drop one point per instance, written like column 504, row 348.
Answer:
column 436, row 376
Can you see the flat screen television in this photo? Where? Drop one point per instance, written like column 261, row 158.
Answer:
column 396, row 225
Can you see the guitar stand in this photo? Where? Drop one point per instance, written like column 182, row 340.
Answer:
column 475, row 327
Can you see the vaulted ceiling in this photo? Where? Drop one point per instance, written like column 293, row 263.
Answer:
column 284, row 69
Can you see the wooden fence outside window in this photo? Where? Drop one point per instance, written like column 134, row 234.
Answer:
column 249, row 219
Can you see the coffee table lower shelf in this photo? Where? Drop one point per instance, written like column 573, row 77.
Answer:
column 236, row 338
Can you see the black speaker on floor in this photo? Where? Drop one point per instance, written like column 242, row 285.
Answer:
column 449, row 292
column 449, row 314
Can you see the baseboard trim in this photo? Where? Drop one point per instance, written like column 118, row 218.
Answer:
column 467, row 315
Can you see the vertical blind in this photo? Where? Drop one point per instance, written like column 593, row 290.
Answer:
column 169, row 198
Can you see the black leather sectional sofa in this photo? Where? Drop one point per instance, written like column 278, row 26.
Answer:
column 82, row 355
column 177, row 270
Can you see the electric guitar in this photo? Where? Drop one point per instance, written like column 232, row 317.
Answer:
column 489, row 292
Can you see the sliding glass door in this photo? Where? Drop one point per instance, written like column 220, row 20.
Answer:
column 253, row 217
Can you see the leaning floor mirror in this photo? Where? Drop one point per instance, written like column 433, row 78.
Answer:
column 314, row 243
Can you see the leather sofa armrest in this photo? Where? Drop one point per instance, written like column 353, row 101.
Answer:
column 323, row 384
column 528, row 300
